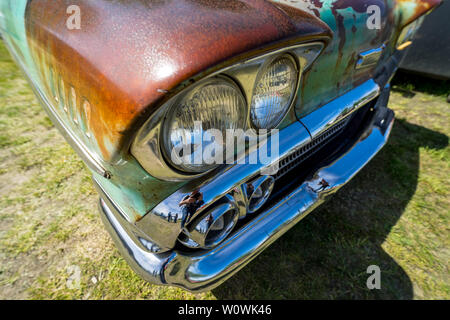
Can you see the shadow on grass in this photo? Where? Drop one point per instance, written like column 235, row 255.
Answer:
column 407, row 82
column 326, row 255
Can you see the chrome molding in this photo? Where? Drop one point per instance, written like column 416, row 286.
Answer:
column 370, row 57
column 149, row 266
column 213, row 187
column 340, row 108
column 205, row 270
column 251, row 187
column 164, row 221
column 147, row 146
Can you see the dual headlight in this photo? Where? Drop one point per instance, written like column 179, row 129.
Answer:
column 188, row 134
column 218, row 105
column 274, row 92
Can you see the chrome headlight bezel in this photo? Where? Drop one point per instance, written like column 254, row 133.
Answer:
column 262, row 72
column 168, row 120
column 147, row 145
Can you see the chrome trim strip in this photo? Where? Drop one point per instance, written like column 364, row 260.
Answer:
column 206, row 270
column 370, row 57
column 328, row 115
column 216, row 185
column 147, row 146
column 148, row 265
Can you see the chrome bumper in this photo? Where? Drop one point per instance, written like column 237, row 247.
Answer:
column 205, row 270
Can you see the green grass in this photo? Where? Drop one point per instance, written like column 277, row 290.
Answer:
column 413, row 82
column 394, row 214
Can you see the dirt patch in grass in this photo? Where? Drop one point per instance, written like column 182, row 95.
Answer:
column 394, row 214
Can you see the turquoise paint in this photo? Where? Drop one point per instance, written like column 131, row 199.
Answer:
column 351, row 36
column 131, row 187
column 12, row 26
column 341, row 76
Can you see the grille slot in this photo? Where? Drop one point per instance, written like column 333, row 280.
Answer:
column 295, row 159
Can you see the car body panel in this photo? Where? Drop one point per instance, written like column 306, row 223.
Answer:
column 348, row 20
column 116, row 75
column 117, row 84
column 111, row 83
column 130, row 54
column 100, row 83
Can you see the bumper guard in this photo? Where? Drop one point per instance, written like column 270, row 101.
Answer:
column 205, row 270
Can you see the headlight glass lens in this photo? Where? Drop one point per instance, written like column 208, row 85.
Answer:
column 273, row 93
column 213, row 106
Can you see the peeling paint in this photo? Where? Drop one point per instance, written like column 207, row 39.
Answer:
column 129, row 55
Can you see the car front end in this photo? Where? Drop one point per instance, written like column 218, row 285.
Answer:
column 137, row 77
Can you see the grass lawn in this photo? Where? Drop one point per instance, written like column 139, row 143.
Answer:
column 394, row 214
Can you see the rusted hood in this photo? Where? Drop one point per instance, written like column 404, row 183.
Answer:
column 128, row 55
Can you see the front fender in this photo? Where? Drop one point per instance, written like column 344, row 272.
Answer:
column 101, row 82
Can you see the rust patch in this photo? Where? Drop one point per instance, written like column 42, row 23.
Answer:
column 357, row 6
column 129, row 55
column 422, row 7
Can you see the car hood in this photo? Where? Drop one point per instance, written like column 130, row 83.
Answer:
column 128, row 56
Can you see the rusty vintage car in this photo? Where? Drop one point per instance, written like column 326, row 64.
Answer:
column 119, row 78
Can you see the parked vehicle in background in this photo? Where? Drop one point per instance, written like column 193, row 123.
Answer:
column 429, row 55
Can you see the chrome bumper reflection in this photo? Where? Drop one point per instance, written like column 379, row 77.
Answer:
column 205, row 270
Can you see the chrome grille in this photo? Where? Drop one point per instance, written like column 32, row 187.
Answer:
column 295, row 159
